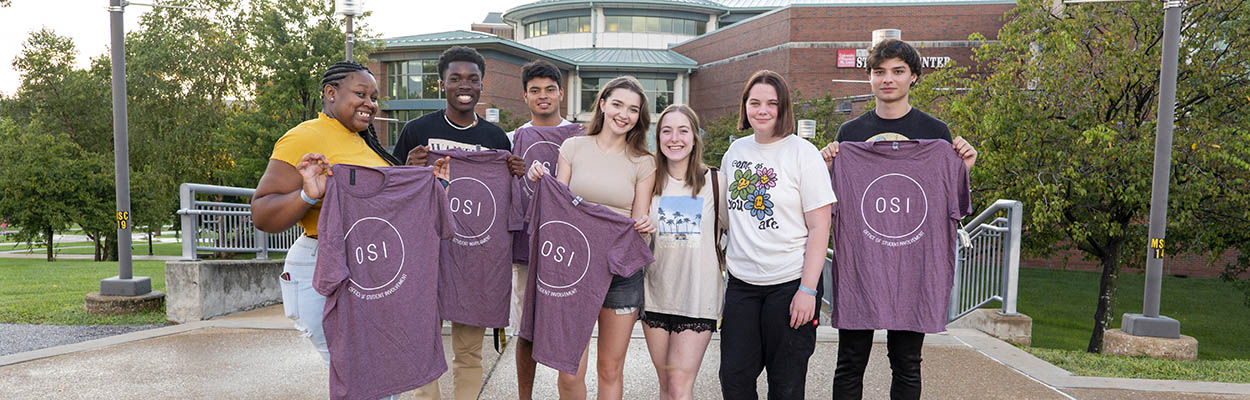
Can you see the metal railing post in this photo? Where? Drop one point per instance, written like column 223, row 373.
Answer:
column 951, row 312
column 261, row 238
column 1012, row 267
column 190, row 225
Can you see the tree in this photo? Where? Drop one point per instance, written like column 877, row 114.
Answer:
column 1062, row 108
column 55, row 95
column 71, row 105
column 47, row 168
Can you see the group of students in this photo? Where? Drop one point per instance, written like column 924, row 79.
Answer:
column 771, row 201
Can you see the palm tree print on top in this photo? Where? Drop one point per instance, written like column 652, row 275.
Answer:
column 680, row 221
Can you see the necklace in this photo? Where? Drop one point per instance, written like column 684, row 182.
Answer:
column 457, row 127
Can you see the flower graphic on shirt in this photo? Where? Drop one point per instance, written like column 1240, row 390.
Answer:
column 743, row 185
column 767, row 178
column 761, row 206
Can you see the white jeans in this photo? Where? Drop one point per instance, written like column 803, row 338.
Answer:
column 301, row 302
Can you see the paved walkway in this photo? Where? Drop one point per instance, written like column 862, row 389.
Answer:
column 258, row 355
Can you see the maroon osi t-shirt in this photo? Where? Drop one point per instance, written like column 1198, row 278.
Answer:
column 475, row 265
column 381, row 320
column 533, row 143
column 575, row 248
column 894, row 233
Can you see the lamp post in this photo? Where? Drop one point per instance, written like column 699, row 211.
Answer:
column 1149, row 322
column 349, row 9
column 125, row 283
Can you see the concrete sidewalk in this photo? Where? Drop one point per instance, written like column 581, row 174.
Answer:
column 258, row 355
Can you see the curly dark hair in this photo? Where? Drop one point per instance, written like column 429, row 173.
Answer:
column 460, row 53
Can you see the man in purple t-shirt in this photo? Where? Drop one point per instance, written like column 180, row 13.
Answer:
column 541, row 144
column 575, row 248
column 376, row 224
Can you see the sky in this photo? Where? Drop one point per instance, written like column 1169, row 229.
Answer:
column 87, row 23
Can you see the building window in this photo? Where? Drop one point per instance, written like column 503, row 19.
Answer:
column 659, row 93
column 676, row 26
column 557, row 26
column 412, row 79
column 394, row 128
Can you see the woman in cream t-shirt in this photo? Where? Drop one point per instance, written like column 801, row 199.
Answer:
column 684, row 288
column 611, row 166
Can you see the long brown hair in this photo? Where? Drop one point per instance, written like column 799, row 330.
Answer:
column 636, row 138
column 785, row 108
column 695, row 168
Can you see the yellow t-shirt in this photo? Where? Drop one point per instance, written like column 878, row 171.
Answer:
column 327, row 136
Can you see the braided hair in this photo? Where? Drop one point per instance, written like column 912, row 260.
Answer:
column 338, row 72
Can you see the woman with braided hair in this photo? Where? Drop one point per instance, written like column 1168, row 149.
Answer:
column 291, row 189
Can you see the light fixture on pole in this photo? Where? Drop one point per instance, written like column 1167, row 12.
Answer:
column 349, row 9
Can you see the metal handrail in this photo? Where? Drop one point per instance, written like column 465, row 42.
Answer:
column 986, row 272
column 223, row 226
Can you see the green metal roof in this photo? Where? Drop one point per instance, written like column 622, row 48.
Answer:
column 538, row 7
column 771, row 4
column 601, row 57
column 598, row 57
column 432, row 38
column 466, row 38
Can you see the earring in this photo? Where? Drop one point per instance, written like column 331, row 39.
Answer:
column 331, row 99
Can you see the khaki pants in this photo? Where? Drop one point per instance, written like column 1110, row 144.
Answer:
column 519, row 275
column 466, row 366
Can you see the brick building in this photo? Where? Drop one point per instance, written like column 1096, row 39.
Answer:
column 697, row 52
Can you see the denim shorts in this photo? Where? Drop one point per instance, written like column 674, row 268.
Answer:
column 300, row 301
column 625, row 292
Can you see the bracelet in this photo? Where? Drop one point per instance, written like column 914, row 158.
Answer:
column 311, row 201
column 807, row 290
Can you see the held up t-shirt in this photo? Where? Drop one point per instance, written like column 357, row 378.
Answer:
column 894, row 233
column 475, row 273
column 575, row 249
column 540, row 144
column 770, row 187
column 377, row 228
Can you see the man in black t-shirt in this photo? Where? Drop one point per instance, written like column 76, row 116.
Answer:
column 460, row 71
column 893, row 67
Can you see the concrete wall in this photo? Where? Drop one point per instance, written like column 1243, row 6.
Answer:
column 198, row 290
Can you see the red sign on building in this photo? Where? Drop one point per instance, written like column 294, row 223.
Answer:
column 846, row 58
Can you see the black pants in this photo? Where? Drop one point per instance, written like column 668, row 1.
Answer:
column 904, row 353
column 757, row 335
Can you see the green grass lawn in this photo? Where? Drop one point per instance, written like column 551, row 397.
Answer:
column 137, row 248
column 1062, row 305
column 34, row 291
column 1087, row 364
